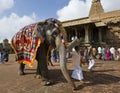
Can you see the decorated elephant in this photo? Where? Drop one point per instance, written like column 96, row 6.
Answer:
column 33, row 41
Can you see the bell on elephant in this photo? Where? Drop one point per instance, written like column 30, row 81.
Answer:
column 32, row 43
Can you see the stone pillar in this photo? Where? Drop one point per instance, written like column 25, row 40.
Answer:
column 75, row 29
column 68, row 36
column 100, row 35
column 86, row 27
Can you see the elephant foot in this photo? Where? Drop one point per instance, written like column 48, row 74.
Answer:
column 47, row 83
column 38, row 76
column 21, row 73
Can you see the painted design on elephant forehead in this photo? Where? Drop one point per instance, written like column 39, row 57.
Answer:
column 25, row 44
column 54, row 21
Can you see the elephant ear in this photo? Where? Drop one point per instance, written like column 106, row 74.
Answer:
column 40, row 30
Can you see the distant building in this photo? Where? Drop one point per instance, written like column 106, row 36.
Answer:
column 99, row 28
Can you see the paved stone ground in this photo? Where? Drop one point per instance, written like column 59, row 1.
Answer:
column 104, row 79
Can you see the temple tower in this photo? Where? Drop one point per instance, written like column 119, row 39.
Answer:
column 96, row 8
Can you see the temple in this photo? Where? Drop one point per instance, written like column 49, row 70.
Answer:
column 99, row 28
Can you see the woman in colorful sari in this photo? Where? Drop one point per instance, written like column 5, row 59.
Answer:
column 108, row 54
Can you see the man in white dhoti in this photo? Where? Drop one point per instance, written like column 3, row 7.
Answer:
column 91, row 64
column 91, row 59
column 77, row 72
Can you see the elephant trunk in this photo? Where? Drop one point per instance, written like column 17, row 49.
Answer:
column 73, row 44
column 62, row 53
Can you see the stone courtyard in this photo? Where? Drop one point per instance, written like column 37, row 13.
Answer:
column 104, row 79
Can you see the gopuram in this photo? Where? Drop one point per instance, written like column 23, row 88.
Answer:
column 99, row 28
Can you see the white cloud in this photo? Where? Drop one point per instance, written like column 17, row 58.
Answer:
column 6, row 4
column 78, row 9
column 74, row 9
column 11, row 24
column 110, row 5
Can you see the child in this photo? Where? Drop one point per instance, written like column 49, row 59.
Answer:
column 77, row 72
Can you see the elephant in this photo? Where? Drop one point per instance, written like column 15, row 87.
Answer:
column 51, row 33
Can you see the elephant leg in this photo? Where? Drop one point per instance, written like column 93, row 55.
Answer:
column 42, row 68
column 21, row 69
column 38, row 73
column 44, row 72
column 49, row 61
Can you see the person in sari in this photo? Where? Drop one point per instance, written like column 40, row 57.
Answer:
column 108, row 54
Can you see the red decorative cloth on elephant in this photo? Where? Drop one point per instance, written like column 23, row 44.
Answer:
column 25, row 44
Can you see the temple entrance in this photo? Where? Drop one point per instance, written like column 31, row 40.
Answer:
column 81, row 33
column 94, row 35
column 75, row 32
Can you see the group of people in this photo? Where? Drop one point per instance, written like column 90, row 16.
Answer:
column 88, row 55
column 79, row 57
column 109, row 53
column 4, row 56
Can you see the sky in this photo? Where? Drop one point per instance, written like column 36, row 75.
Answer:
column 15, row 14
